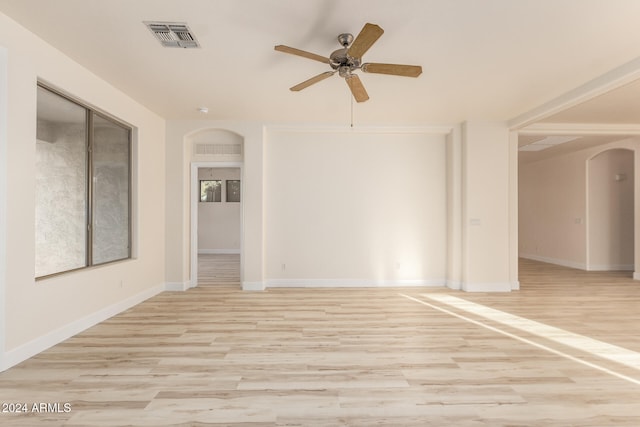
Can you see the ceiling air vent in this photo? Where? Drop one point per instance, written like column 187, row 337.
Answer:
column 173, row 34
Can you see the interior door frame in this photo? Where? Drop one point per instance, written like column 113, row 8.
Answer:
column 195, row 199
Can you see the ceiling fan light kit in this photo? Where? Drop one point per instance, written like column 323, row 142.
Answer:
column 348, row 59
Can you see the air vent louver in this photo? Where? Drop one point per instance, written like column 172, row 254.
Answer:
column 173, row 34
column 218, row 149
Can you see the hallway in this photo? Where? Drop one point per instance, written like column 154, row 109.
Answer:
column 219, row 270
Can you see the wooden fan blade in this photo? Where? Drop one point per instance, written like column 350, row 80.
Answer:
column 312, row 80
column 357, row 89
column 393, row 69
column 367, row 37
column 303, row 53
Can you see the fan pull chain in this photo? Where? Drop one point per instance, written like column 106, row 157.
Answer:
column 351, row 98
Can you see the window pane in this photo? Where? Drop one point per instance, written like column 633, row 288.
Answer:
column 211, row 190
column 61, row 189
column 233, row 190
column 110, row 191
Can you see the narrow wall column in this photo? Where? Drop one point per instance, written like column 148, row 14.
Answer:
column 454, row 209
column 486, row 207
column 3, row 201
column 636, row 210
column 513, row 211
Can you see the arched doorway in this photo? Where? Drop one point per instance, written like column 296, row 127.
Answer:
column 610, row 218
column 216, row 157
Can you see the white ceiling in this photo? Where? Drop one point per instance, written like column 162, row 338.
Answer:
column 482, row 60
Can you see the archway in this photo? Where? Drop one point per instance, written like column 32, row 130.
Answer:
column 214, row 152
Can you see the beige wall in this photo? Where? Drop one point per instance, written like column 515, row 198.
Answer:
column 486, row 208
column 39, row 314
column 554, row 212
column 346, row 208
column 269, row 239
column 610, row 210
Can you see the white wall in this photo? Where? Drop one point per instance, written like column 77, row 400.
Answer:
column 219, row 223
column 553, row 206
column 40, row 314
column 610, row 210
column 553, row 210
column 486, row 208
column 354, row 208
column 435, row 250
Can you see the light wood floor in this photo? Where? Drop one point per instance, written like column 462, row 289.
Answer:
column 218, row 269
column 215, row 355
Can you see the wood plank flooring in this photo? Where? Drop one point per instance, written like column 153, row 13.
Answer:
column 218, row 269
column 215, row 355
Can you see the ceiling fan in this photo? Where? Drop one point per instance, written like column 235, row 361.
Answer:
column 349, row 59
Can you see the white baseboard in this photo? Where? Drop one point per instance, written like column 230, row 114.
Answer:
column 580, row 265
column 350, row 283
column 556, row 261
column 487, row 287
column 218, row 251
column 253, row 286
column 612, row 267
column 177, row 286
column 636, row 275
column 454, row 285
column 38, row 345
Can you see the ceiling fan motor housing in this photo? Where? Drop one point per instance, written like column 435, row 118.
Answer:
column 341, row 61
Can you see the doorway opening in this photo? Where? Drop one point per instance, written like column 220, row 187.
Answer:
column 219, row 219
column 216, row 223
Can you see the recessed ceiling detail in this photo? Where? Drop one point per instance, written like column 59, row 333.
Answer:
column 548, row 142
column 173, row 34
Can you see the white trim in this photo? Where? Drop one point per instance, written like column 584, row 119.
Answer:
column 636, row 275
column 315, row 128
column 580, row 129
column 611, row 267
column 35, row 346
column 556, row 261
column 177, row 286
column 194, row 184
column 487, row 287
column 614, row 79
column 351, row 283
column 218, row 251
column 455, row 285
column 253, row 286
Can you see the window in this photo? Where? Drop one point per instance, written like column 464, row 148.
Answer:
column 83, row 186
column 211, row 190
column 233, row 190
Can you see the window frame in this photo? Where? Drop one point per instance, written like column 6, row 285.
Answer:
column 91, row 112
